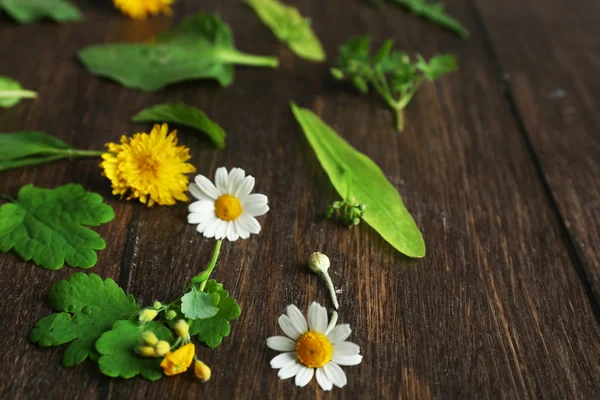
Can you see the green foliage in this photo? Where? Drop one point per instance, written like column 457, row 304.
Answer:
column 347, row 212
column 11, row 92
column 290, row 27
column 391, row 73
column 200, row 47
column 26, row 11
column 211, row 331
column 184, row 115
column 356, row 177
column 46, row 226
column 86, row 307
column 116, row 347
column 199, row 305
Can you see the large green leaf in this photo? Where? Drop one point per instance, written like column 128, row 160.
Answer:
column 355, row 176
column 11, row 92
column 200, row 47
column 26, row 11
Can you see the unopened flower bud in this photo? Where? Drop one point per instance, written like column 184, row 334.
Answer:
column 202, row 371
column 145, row 351
column 157, row 305
column 182, row 329
column 148, row 315
column 318, row 262
column 170, row 315
column 149, row 338
column 162, row 348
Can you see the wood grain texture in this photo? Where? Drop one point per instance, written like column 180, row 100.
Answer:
column 552, row 78
column 495, row 309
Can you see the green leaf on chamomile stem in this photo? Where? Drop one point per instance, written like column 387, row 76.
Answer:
column 86, row 307
column 116, row 348
column 201, row 47
column 11, row 92
column 358, row 179
column 183, row 114
column 47, row 226
column 290, row 27
column 434, row 13
column 211, row 331
column 26, row 11
column 199, row 305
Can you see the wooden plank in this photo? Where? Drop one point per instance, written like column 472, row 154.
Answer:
column 496, row 309
column 550, row 53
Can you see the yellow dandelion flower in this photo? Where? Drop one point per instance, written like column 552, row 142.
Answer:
column 179, row 360
column 141, row 9
column 150, row 167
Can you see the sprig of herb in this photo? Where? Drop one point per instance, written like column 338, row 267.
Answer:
column 391, row 73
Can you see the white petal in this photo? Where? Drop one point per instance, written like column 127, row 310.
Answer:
column 206, row 187
column 221, row 180
column 256, row 210
column 255, row 204
column 335, row 374
column 221, row 231
column 235, row 177
column 244, row 234
column 244, row 188
column 205, row 224
column 288, row 327
column 290, row 370
column 346, row 349
column 339, row 333
column 297, row 318
column 347, row 360
column 281, row 343
column 317, row 317
column 304, row 376
column 283, row 359
column 211, row 229
column 202, row 206
column 249, row 223
column 196, row 192
column 323, row 380
column 232, row 234
column 196, row 218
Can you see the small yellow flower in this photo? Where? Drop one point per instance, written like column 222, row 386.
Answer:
column 150, row 167
column 141, row 9
column 147, row 315
column 178, row 361
column 202, row 371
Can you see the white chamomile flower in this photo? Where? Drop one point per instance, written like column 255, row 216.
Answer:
column 226, row 209
column 313, row 348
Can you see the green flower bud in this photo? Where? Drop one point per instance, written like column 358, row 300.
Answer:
column 170, row 315
column 157, row 305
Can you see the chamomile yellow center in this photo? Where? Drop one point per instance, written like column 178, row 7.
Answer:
column 228, row 207
column 314, row 349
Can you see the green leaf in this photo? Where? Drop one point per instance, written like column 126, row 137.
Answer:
column 199, row 305
column 86, row 307
column 11, row 92
column 116, row 348
column 201, row 47
column 26, row 11
column 46, row 226
column 437, row 66
column 211, row 331
column 30, row 148
column 356, row 177
column 290, row 27
column 434, row 12
column 184, row 115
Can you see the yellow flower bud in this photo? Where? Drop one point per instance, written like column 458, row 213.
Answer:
column 318, row 262
column 148, row 315
column 202, row 371
column 145, row 351
column 162, row 347
column 149, row 338
column 182, row 329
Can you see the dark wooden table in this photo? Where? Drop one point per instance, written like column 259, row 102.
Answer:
column 499, row 164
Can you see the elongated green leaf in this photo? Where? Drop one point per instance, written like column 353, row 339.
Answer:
column 200, row 48
column 26, row 11
column 184, row 115
column 11, row 92
column 356, row 176
column 435, row 13
column 290, row 27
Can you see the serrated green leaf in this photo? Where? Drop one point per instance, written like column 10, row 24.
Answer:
column 200, row 47
column 355, row 176
column 116, row 348
column 26, row 11
column 211, row 331
column 199, row 305
column 86, row 307
column 184, row 115
column 11, row 92
column 30, row 148
column 288, row 25
column 437, row 66
column 434, row 12
column 46, row 226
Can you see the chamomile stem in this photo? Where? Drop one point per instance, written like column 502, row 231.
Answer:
column 331, row 289
column 332, row 322
column 213, row 262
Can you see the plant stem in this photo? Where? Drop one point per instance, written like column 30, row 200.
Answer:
column 18, row 94
column 399, row 113
column 84, row 153
column 213, row 262
column 331, row 289
column 332, row 322
column 237, row 57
